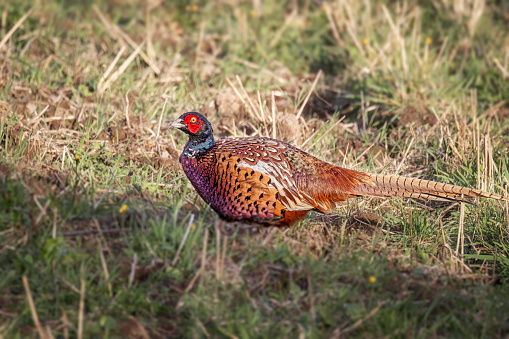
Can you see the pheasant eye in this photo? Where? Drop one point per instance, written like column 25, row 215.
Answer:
column 193, row 120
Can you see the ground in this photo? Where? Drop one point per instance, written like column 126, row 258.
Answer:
column 102, row 235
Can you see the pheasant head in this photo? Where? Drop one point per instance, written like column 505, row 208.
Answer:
column 199, row 129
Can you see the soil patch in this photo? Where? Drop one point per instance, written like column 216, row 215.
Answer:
column 419, row 117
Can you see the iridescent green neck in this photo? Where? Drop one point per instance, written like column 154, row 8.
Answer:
column 198, row 146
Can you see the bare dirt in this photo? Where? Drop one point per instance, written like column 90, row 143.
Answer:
column 417, row 117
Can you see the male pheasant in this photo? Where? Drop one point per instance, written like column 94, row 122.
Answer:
column 268, row 182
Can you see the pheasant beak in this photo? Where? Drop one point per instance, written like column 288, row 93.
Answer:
column 177, row 123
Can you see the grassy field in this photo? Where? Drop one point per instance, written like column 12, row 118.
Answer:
column 101, row 234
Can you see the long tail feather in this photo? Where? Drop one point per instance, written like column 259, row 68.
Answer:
column 389, row 186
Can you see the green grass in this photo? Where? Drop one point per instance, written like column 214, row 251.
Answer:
column 97, row 213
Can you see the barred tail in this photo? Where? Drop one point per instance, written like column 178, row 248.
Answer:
column 389, row 186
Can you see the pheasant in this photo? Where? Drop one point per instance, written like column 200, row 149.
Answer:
column 268, row 182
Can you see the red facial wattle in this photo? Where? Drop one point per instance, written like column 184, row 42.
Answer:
column 193, row 124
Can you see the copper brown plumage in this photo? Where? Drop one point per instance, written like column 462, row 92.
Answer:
column 269, row 182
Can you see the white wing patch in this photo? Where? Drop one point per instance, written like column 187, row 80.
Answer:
column 260, row 166
column 290, row 197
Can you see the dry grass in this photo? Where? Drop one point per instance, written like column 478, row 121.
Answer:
column 102, row 230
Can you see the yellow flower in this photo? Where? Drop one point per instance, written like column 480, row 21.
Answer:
column 77, row 157
column 195, row 8
column 253, row 12
column 429, row 40
column 372, row 280
column 122, row 208
column 365, row 41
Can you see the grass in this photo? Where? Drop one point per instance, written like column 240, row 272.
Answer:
column 102, row 235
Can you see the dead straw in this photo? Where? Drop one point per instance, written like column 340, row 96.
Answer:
column 251, row 104
column 309, row 93
column 460, row 242
column 81, row 314
column 15, row 27
column 118, row 34
column 120, row 70
column 127, row 110
column 359, row 322
column 251, row 113
column 33, row 310
column 274, row 129
column 110, row 67
column 105, row 269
